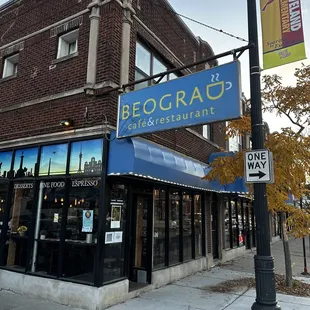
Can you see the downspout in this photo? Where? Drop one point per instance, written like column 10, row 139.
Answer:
column 93, row 46
column 126, row 33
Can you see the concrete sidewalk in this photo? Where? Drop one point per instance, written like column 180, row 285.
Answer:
column 246, row 263
column 193, row 293
column 11, row 301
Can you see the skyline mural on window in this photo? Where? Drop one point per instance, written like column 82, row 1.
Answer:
column 25, row 162
column 53, row 159
column 86, row 157
column 5, row 163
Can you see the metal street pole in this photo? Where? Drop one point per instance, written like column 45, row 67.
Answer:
column 263, row 261
column 305, row 272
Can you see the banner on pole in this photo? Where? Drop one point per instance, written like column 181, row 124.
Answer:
column 282, row 30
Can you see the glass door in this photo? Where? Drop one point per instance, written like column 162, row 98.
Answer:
column 16, row 253
column 141, row 244
column 214, row 221
column 49, row 210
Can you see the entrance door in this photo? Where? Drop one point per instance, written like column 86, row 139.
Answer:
column 141, row 240
column 214, row 219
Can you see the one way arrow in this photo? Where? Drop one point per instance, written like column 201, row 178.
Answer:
column 259, row 174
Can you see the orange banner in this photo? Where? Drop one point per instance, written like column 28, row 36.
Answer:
column 282, row 29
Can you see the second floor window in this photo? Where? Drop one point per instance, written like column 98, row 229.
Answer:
column 68, row 44
column 206, row 132
column 10, row 66
column 148, row 64
column 235, row 144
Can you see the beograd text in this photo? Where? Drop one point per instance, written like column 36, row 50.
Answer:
column 146, row 115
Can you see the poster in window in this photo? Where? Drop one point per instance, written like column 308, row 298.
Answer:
column 116, row 216
column 88, row 219
column 5, row 164
column 56, row 217
column 53, row 159
column 25, row 162
column 109, row 237
column 118, row 237
column 86, row 157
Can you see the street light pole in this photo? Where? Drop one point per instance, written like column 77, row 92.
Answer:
column 305, row 272
column 263, row 261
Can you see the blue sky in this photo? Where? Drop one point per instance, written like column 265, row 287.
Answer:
column 231, row 16
column 91, row 148
column 58, row 155
column 30, row 159
column 5, row 159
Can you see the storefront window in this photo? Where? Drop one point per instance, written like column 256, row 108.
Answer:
column 19, row 226
column 115, row 234
column 240, row 223
column 198, row 226
column 5, row 164
column 49, row 213
column 227, row 225
column 81, row 230
column 174, row 228
column 3, row 195
column 234, row 223
column 53, row 159
column 159, row 228
column 25, row 163
column 86, row 157
column 187, row 227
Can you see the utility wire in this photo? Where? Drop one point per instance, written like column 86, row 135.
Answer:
column 198, row 22
column 213, row 28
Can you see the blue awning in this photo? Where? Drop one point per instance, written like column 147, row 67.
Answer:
column 142, row 158
column 239, row 186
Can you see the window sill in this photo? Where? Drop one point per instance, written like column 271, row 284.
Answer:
column 8, row 78
column 65, row 58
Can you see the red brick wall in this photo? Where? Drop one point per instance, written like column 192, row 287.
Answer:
column 36, row 79
column 27, row 16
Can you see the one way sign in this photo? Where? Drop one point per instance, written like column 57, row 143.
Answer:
column 259, row 166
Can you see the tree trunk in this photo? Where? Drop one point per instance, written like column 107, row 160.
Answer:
column 287, row 253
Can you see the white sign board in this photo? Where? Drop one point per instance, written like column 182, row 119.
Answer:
column 259, row 167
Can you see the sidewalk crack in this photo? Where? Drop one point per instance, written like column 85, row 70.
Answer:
column 235, row 299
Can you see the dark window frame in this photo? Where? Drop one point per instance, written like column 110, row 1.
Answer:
column 36, row 180
column 161, row 188
column 153, row 55
column 245, row 222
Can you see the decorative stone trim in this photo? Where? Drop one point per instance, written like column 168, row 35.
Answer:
column 12, row 49
column 74, row 23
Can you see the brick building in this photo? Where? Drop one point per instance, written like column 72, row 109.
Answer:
column 73, row 210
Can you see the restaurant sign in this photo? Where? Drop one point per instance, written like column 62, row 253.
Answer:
column 205, row 97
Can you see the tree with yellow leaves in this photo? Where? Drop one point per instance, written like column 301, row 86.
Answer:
column 291, row 153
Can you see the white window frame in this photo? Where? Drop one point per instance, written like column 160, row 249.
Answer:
column 206, row 131
column 248, row 142
column 10, row 66
column 235, row 144
column 66, row 42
